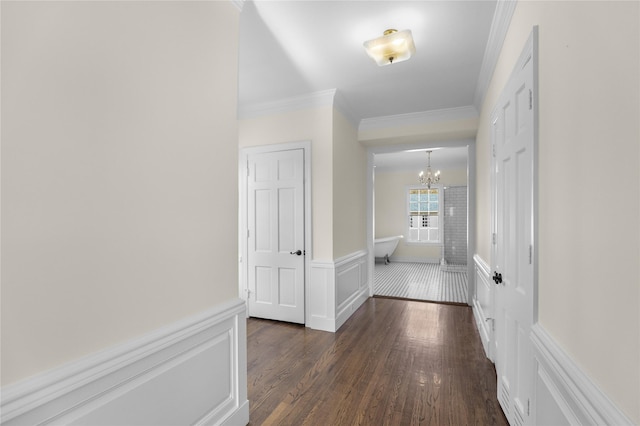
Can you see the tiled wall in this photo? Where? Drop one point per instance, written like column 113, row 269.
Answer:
column 455, row 225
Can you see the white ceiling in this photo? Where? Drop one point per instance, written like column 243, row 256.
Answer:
column 293, row 48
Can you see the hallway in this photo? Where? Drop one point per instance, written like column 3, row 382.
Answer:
column 393, row 362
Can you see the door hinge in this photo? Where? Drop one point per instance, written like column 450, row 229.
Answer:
column 248, row 170
column 530, row 99
column 248, row 233
column 493, row 150
column 494, row 237
column 528, row 407
column 530, row 254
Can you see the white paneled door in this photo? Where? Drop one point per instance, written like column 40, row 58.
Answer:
column 513, row 138
column 276, row 235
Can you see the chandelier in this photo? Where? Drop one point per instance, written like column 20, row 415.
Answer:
column 429, row 177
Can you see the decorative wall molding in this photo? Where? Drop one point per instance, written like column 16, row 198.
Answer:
column 497, row 34
column 483, row 305
column 189, row 372
column 341, row 104
column 336, row 290
column 239, row 4
column 564, row 391
column 351, row 285
column 319, row 99
column 418, row 118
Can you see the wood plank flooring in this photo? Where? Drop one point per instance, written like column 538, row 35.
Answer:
column 393, row 362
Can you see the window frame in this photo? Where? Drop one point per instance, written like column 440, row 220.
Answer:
column 440, row 216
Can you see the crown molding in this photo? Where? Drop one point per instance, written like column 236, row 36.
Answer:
column 498, row 32
column 295, row 103
column 341, row 104
column 239, row 4
column 418, row 118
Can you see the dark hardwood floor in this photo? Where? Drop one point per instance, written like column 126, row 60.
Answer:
column 393, row 362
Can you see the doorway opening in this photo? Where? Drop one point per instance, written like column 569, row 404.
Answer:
column 426, row 232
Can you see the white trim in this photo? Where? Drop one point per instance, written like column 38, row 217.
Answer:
column 497, row 34
column 482, row 304
column 345, row 278
column 100, row 384
column 341, row 104
column 243, row 217
column 295, row 103
column 351, row 257
column 239, row 4
column 577, row 397
column 418, row 118
column 407, row 202
column 482, row 265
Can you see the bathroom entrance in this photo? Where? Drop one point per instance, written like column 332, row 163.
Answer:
column 429, row 224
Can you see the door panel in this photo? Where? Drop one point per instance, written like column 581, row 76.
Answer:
column 276, row 233
column 512, row 257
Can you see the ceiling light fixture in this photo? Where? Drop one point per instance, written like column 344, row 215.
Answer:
column 429, row 178
column 392, row 47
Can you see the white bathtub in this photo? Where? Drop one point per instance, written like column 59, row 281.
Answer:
column 384, row 247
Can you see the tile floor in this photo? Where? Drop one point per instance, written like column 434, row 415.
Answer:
column 421, row 281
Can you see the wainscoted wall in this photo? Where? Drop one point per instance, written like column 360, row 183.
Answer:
column 563, row 394
column 483, row 305
column 336, row 290
column 190, row 372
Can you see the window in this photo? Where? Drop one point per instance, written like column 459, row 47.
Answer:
column 423, row 206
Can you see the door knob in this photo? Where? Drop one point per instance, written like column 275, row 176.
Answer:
column 297, row 252
column 497, row 278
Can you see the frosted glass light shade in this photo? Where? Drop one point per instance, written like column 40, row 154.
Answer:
column 394, row 46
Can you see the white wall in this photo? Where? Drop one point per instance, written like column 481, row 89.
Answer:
column 589, row 299
column 436, row 126
column 119, row 171
column 391, row 212
column 349, row 188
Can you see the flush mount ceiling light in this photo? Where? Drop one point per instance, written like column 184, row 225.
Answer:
column 429, row 178
column 393, row 46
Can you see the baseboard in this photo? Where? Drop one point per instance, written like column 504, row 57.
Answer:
column 564, row 393
column 189, row 372
column 337, row 289
column 414, row 259
column 352, row 305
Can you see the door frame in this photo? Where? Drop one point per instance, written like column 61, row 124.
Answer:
column 470, row 144
column 243, row 216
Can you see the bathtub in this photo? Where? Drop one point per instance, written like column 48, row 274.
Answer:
column 384, row 247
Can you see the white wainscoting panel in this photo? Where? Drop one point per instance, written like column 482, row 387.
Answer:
column 564, row 394
column 336, row 290
column 483, row 305
column 321, row 297
column 351, row 285
column 190, row 372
